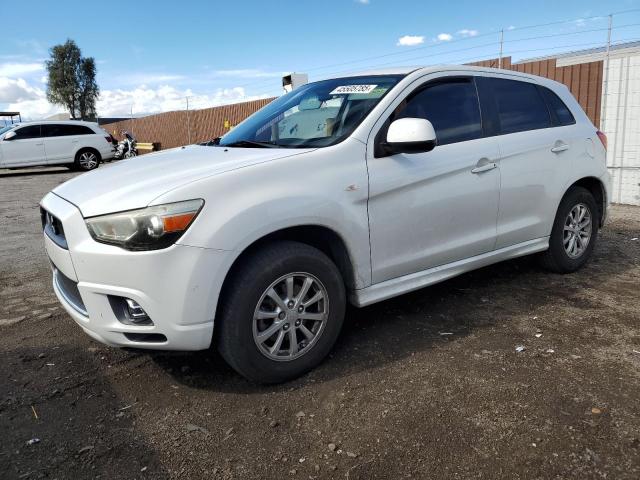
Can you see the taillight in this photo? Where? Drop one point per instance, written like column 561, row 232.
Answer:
column 108, row 137
column 603, row 138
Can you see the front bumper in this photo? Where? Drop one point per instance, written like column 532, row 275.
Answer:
column 178, row 286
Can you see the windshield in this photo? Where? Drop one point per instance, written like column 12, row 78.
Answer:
column 7, row 128
column 315, row 115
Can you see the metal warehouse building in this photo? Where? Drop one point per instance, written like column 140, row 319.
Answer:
column 606, row 82
column 620, row 114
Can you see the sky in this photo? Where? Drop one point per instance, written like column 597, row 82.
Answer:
column 153, row 55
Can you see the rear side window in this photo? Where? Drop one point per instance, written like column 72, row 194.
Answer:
column 451, row 106
column 30, row 131
column 560, row 113
column 65, row 130
column 519, row 105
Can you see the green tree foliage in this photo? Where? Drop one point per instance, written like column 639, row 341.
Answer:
column 72, row 80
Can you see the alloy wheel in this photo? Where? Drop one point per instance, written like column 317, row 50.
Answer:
column 577, row 230
column 290, row 316
column 88, row 160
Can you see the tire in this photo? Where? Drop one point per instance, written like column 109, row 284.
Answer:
column 87, row 159
column 559, row 258
column 246, row 293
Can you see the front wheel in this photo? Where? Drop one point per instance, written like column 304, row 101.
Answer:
column 281, row 312
column 574, row 233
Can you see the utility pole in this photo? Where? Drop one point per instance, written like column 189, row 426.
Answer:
column 605, row 95
column 501, row 45
column 188, row 123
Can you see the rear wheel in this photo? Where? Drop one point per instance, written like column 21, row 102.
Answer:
column 574, row 232
column 87, row 160
column 281, row 312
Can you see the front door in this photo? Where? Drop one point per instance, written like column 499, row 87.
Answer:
column 25, row 149
column 434, row 208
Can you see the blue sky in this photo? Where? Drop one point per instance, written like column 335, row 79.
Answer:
column 152, row 54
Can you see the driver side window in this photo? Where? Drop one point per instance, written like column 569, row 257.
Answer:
column 450, row 105
column 25, row 133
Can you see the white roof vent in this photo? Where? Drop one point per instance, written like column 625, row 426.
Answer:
column 294, row 80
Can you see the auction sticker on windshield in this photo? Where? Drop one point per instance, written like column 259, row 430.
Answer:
column 347, row 89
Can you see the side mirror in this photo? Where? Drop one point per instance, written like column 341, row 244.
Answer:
column 10, row 135
column 410, row 135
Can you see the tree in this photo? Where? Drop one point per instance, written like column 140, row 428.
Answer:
column 72, row 80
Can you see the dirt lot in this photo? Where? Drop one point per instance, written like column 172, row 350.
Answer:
column 427, row 385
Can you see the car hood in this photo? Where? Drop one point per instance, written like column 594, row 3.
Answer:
column 136, row 182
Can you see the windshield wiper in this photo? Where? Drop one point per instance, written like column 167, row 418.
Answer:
column 251, row 143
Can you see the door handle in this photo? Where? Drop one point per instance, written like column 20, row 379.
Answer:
column 484, row 165
column 39, row 144
column 559, row 147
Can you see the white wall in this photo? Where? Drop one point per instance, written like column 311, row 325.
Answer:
column 621, row 123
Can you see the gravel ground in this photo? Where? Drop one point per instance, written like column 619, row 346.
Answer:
column 427, row 385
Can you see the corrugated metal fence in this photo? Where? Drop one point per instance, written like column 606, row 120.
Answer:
column 173, row 129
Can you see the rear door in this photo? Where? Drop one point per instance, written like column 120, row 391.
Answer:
column 535, row 155
column 62, row 141
column 25, row 149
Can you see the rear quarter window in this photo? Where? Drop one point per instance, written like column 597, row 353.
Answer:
column 560, row 113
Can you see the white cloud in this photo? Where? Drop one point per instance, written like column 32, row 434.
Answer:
column 23, row 89
column 363, row 2
column 35, row 109
column 511, row 27
column 465, row 32
column 17, row 90
column 31, row 101
column 444, row 37
column 19, row 69
column 410, row 40
column 16, row 94
column 165, row 98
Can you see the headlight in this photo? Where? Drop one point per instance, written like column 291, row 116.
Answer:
column 149, row 228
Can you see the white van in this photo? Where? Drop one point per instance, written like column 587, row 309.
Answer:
column 79, row 145
column 357, row 188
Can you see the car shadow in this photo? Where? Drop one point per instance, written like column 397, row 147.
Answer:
column 425, row 319
column 5, row 173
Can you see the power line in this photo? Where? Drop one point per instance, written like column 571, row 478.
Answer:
column 476, row 58
column 490, row 33
column 571, row 33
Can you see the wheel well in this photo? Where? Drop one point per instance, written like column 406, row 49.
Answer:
column 322, row 238
column 90, row 149
column 597, row 189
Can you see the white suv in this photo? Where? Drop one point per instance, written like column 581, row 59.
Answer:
column 81, row 145
column 357, row 188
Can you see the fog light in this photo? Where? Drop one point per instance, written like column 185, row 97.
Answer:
column 136, row 312
column 129, row 312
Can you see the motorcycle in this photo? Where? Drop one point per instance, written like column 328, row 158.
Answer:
column 127, row 147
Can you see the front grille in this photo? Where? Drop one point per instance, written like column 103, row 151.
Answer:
column 53, row 228
column 69, row 291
